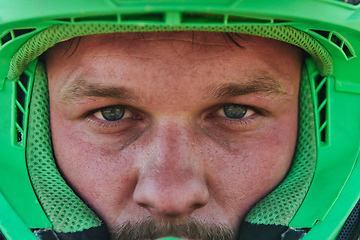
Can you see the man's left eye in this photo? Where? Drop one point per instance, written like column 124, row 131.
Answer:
column 111, row 113
column 235, row 111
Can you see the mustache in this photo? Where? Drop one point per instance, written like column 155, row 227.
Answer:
column 190, row 229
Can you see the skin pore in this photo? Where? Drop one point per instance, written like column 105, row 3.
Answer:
column 173, row 133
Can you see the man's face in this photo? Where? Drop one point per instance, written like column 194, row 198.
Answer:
column 173, row 129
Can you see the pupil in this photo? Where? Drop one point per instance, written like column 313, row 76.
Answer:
column 235, row 111
column 113, row 113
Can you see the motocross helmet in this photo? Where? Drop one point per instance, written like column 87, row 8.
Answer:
column 318, row 198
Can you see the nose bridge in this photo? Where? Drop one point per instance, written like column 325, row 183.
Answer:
column 171, row 182
column 172, row 153
column 172, row 142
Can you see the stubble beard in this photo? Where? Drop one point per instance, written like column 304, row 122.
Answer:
column 191, row 229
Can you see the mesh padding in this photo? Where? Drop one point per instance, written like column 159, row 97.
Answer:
column 57, row 33
column 65, row 210
column 280, row 206
column 350, row 229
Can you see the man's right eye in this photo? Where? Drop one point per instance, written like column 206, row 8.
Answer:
column 111, row 113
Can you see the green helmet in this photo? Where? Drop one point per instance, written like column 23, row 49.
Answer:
column 317, row 200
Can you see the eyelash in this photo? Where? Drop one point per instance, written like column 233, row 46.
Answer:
column 104, row 123
column 101, row 123
column 245, row 120
column 239, row 121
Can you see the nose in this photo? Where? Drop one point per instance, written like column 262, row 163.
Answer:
column 172, row 180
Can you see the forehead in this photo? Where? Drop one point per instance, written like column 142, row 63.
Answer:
column 209, row 58
column 190, row 45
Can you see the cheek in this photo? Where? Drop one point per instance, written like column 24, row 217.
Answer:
column 252, row 168
column 101, row 176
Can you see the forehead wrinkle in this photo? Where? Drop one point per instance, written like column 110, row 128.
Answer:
column 198, row 39
column 264, row 84
column 207, row 38
column 80, row 89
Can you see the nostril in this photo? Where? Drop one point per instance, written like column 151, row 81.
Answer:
column 198, row 205
column 143, row 205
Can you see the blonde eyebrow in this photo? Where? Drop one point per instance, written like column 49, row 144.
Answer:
column 80, row 89
column 265, row 85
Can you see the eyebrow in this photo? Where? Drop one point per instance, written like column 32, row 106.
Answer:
column 80, row 89
column 265, row 84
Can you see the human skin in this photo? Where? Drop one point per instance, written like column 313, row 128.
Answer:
column 175, row 155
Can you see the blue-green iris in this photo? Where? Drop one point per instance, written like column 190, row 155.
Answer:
column 235, row 111
column 113, row 113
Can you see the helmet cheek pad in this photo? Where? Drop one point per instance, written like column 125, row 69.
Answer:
column 65, row 210
column 282, row 204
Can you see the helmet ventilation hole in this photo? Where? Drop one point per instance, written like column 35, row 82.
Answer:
column 321, row 106
column 14, row 34
column 21, row 106
column 337, row 40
